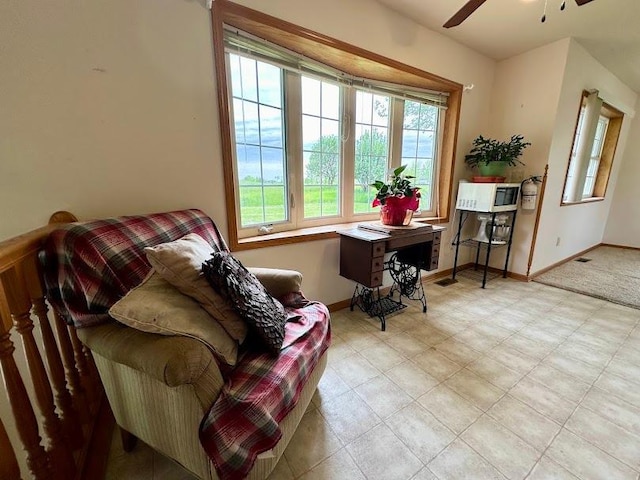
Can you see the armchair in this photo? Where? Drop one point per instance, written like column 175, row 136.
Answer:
column 161, row 388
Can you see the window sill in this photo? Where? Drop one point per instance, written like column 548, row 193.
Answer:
column 583, row 201
column 306, row 235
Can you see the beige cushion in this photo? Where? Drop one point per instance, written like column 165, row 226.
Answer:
column 180, row 264
column 278, row 281
column 155, row 306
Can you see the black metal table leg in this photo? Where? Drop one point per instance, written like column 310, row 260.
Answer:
column 375, row 305
column 506, row 261
column 455, row 259
column 486, row 260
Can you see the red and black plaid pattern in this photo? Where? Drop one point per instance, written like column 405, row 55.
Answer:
column 262, row 390
column 91, row 265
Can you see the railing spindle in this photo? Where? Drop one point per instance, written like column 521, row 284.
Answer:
column 25, row 419
column 78, row 394
column 83, row 369
column 62, row 461
column 8, row 462
column 68, row 415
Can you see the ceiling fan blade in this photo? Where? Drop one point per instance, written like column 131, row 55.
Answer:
column 462, row 14
column 583, row 2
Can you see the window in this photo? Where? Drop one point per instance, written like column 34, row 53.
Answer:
column 321, row 148
column 419, row 135
column 308, row 134
column 259, row 140
column 594, row 158
column 592, row 151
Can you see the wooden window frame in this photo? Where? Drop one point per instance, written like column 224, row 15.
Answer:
column 605, row 166
column 338, row 54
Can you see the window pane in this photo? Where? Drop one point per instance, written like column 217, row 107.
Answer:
column 272, row 166
column 425, row 144
column 311, row 97
column 372, row 147
column 380, row 111
column 331, row 170
column 331, row 127
column 234, row 64
column 312, row 201
column 249, row 123
column 330, row 101
column 364, row 107
column 238, row 120
column 418, row 147
column 311, row 133
column 409, row 143
column 321, row 148
column 270, row 126
column 258, row 121
column 330, row 197
column 274, row 204
column 247, row 79
column 269, row 85
column 251, row 204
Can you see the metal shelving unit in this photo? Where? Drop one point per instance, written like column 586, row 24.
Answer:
column 479, row 245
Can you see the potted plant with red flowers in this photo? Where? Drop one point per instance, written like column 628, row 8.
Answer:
column 397, row 199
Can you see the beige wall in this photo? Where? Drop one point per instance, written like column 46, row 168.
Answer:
column 538, row 94
column 111, row 110
column 525, row 98
column 578, row 226
column 108, row 108
column 623, row 223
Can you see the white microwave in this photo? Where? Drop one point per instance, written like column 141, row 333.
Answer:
column 488, row 197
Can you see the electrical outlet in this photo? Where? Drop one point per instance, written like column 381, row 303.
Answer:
column 558, row 242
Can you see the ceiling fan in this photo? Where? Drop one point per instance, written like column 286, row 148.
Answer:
column 472, row 5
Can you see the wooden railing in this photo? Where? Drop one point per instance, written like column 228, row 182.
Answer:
column 62, row 390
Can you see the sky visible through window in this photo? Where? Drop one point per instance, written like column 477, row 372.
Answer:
column 259, row 121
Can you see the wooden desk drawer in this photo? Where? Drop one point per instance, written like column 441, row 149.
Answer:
column 377, row 264
column 376, row 279
column 435, row 251
column 434, row 263
column 403, row 241
column 378, row 249
column 436, row 238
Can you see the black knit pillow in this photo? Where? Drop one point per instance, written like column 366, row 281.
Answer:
column 263, row 313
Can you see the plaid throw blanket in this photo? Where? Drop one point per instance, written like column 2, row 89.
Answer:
column 91, row 265
column 262, row 390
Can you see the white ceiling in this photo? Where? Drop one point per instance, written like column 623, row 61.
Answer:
column 608, row 29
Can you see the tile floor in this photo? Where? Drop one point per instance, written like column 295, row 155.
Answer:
column 515, row 381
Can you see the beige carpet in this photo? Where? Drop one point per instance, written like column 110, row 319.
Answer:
column 613, row 274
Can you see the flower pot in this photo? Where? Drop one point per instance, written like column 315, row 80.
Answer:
column 398, row 211
column 492, row 169
column 395, row 215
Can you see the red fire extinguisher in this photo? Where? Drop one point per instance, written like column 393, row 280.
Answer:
column 529, row 192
